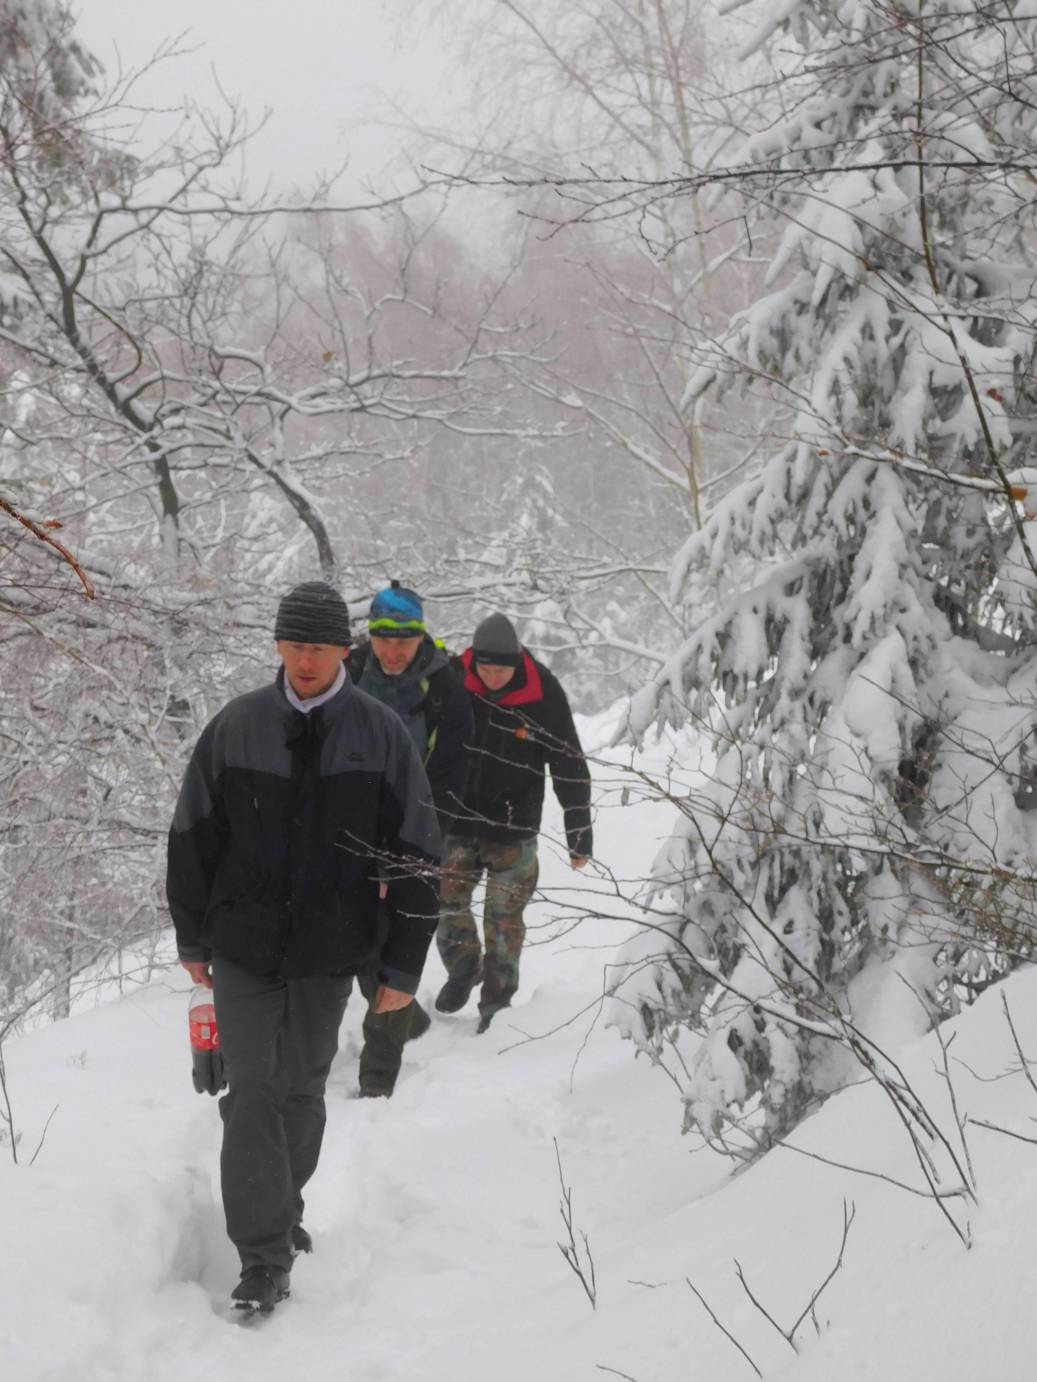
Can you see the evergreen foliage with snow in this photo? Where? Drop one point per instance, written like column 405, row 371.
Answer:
column 869, row 675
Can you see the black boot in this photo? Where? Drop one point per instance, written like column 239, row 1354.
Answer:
column 456, row 992
column 420, row 1022
column 260, row 1288
column 301, row 1240
column 484, row 1024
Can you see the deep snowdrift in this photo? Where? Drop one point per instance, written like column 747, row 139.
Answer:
column 436, row 1216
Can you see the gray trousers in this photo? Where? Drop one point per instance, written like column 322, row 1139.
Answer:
column 278, row 1037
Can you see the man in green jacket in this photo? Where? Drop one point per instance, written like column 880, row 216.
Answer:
column 404, row 669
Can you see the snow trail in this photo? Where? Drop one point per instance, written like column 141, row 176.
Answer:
column 436, row 1214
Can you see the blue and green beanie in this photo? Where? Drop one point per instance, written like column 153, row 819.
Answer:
column 396, row 613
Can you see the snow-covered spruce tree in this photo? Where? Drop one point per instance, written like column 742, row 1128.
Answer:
column 870, row 678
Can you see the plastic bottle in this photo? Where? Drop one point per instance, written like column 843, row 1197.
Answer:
column 206, row 1056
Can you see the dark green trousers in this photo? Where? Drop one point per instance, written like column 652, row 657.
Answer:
column 385, row 1035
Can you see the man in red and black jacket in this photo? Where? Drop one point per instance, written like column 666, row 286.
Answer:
column 523, row 726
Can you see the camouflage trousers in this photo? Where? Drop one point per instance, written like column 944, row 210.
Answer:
column 511, row 879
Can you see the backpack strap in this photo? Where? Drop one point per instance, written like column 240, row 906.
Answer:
column 438, row 687
column 432, row 706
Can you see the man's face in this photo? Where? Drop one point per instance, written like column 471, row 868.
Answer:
column 395, row 655
column 493, row 676
column 311, row 668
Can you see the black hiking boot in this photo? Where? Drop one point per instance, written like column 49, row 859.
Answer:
column 484, row 1024
column 301, row 1240
column 419, row 1023
column 260, row 1288
column 375, row 1091
column 456, row 992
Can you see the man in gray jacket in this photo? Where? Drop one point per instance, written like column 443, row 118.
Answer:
column 304, row 803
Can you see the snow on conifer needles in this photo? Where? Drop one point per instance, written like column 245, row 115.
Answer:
column 868, row 675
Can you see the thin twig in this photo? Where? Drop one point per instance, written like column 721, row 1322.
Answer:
column 40, row 532
column 959, row 1192
column 726, row 1332
column 945, row 1047
column 7, row 1113
column 979, row 1123
column 570, row 1251
column 762, row 1309
column 43, row 1135
column 848, row 1218
column 1024, row 1063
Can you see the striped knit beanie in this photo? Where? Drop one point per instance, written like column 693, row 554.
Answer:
column 313, row 612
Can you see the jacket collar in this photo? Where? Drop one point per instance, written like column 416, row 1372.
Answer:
column 314, row 702
column 532, row 689
column 331, row 704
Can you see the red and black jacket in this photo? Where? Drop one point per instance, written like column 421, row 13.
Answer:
column 518, row 735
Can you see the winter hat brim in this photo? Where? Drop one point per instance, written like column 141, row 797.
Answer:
column 396, row 613
column 313, row 612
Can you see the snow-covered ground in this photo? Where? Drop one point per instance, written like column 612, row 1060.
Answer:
column 436, row 1215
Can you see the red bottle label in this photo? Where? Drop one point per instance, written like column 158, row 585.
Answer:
column 202, row 1021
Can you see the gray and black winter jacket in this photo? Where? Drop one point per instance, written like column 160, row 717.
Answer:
column 287, row 823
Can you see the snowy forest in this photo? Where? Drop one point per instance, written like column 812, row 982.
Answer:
column 698, row 336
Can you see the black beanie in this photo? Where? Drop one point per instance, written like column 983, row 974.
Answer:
column 313, row 612
column 497, row 643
